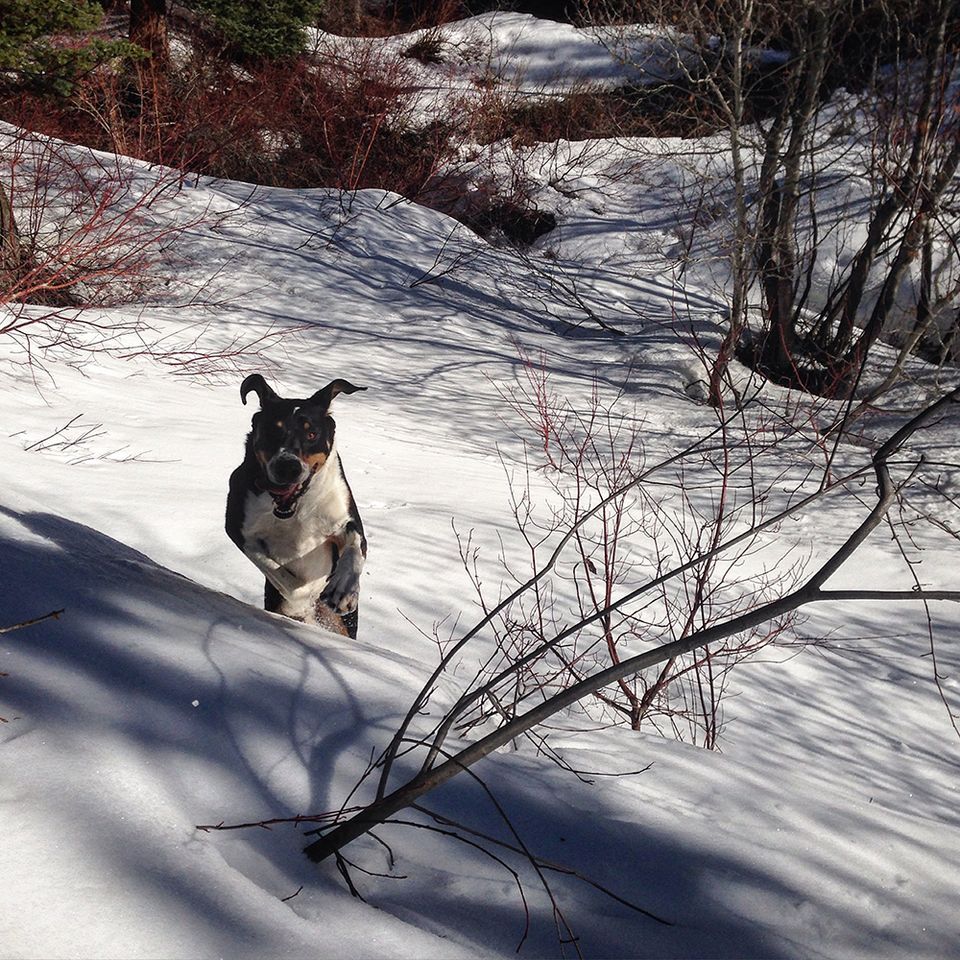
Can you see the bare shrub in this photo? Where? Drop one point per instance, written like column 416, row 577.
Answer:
column 83, row 224
column 591, row 459
column 310, row 122
column 356, row 123
column 349, row 122
column 428, row 48
column 441, row 762
column 89, row 233
column 591, row 111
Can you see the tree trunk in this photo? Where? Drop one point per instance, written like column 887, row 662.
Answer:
column 148, row 29
column 739, row 255
column 11, row 254
column 777, row 250
column 776, row 265
column 907, row 252
column 924, row 321
column 903, row 193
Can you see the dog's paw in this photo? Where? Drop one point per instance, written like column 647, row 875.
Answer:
column 342, row 590
column 341, row 594
column 341, row 602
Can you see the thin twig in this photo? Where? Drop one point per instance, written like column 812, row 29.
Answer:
column 545, row 864
column 390, row 753
column 53, row 615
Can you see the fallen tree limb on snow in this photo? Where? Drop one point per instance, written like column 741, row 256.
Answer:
column 52, row 615
column 811, row 591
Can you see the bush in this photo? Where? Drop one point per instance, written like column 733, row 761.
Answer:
column 258, row 30
column 298, row 123
column 29, row 54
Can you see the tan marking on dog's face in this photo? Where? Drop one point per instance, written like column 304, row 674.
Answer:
column 315, row 461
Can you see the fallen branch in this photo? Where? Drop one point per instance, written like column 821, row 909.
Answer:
column 53, row 615
column 812, row 591
column 332, row 815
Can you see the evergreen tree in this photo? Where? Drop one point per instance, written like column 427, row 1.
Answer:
column 46, row 45
column 30, row 56
column 262, row 29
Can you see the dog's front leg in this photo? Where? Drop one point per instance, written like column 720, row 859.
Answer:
column 286, row 583
column 342, row 591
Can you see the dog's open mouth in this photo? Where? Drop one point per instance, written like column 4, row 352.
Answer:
column 285, row 499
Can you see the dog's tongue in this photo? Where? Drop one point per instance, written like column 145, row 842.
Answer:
column 283, row 494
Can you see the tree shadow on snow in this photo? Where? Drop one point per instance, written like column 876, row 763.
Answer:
column 236, row 715
column 166, row 705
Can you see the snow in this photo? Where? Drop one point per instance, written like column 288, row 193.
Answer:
column 531, row 55
column 164, row 699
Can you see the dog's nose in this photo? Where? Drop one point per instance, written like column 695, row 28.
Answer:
column 285, row 468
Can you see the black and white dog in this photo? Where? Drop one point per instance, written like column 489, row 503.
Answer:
column 291, row 511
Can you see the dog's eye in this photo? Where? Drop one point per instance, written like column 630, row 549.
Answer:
column 311, row 435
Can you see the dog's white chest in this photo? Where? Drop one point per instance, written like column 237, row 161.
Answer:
column 321, row 513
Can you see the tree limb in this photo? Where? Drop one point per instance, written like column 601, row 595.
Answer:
column 812, row 591
column 53, row 615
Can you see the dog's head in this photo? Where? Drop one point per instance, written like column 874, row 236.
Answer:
column 291, row 440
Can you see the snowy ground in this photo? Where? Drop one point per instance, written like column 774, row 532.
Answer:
column 529, row 55
column 164, row 698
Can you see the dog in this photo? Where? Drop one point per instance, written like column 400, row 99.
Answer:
column 291, row 510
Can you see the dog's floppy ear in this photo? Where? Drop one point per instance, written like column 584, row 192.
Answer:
column 325, row 396
column 258, row 385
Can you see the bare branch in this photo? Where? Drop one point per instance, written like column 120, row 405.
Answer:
column 810, row 592
column 53, row 615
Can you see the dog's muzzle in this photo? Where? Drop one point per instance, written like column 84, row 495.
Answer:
column 287, row 479
column 285, row 468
